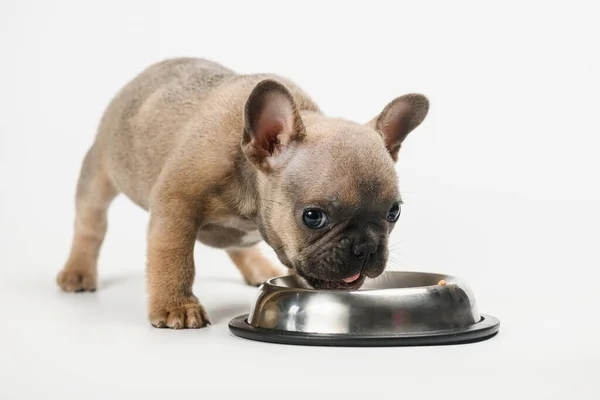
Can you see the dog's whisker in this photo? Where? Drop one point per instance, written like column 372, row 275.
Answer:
column 395, row 263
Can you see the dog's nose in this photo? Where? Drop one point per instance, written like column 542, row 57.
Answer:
column 362, row 250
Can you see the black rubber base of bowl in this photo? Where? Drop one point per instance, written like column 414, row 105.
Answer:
column 486, row 328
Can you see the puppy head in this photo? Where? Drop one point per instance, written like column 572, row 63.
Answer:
column 329, row 190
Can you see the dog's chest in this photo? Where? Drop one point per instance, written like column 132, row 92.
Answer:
column 230, row 232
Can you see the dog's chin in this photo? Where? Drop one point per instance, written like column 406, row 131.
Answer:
column 334, row 284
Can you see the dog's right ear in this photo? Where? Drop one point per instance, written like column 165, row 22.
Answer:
column 272, row 123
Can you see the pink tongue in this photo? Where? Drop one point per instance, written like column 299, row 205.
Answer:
column 352, row 278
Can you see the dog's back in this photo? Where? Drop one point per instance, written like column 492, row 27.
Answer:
column 144, row 121
column 152, row 114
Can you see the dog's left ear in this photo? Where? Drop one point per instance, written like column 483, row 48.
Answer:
column 401, row 116
column 272, row 123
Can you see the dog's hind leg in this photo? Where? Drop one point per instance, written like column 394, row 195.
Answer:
column 95, row 192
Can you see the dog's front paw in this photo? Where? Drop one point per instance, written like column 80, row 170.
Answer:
column 76, row 279
column 255, row 267
column 178, row 314
column 260, row 271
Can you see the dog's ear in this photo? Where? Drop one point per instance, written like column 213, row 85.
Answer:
column 272, row 123
column 399, row 118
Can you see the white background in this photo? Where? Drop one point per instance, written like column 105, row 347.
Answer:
column 501, row 184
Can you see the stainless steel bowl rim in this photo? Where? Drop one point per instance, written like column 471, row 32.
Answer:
column 398, row 304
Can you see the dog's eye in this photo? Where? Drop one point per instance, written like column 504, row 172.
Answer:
column 314, row 219
column 394, row 213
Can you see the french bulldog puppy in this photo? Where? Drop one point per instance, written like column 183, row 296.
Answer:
column 230, row 160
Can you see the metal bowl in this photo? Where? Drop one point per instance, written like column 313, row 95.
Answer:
column 398, row 308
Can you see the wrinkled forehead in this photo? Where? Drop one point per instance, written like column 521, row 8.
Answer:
column 351, row 173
